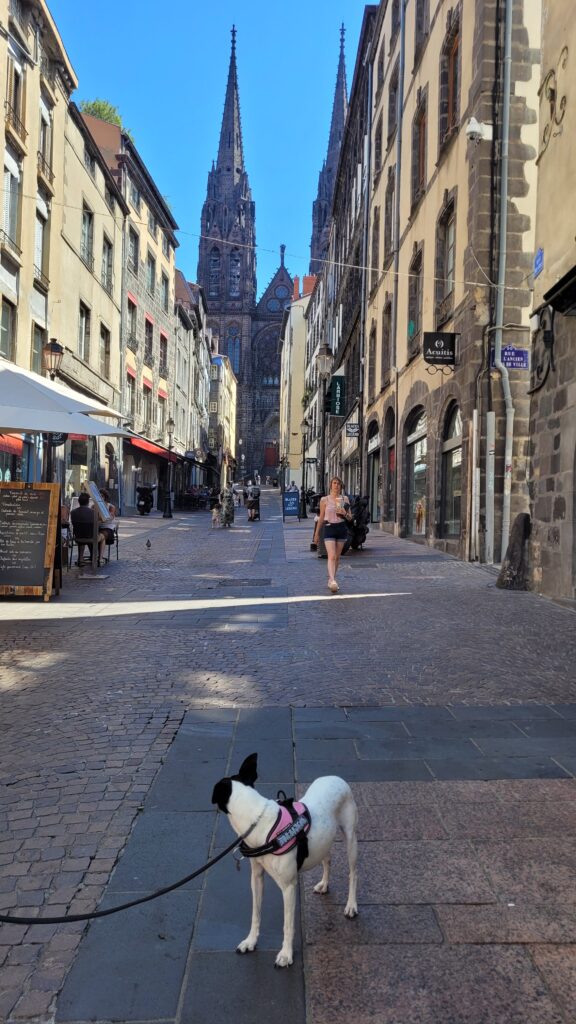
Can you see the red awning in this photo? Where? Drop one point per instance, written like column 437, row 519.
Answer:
column 162, row 393
column 139, row 442
column 147, row 383
column 11, row 444
column 131, row 372
column 77, row 437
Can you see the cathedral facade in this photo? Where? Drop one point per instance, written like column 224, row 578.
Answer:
column 247, row 330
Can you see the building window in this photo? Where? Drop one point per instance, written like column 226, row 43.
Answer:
column 109, row 199
column 135, row 197
column 84, row 333
column 393, row 102
column 104, row 352
column 378, row 148
column 372, row 364
column 161, row 415
column 375, row 268
column 234, row 273
column 416, row 473
column 380, row 69
column 419, row 151
column 38, row 342
column 163, row 368
column 148, row 342
column 152, row 224
column 213, row 373
column 420, row 27
column 107, row 256
column 233, row 347
column 11, row 217
column 45, row 137
column 133, row 251
column 452, row 474
column 39, row 245
column 395, row 23
column 214, row 273
column 132, row 320
column 165, row 289
column 15, row 89
column 8, row 330
column 213, row 407
column 386, row 346
column 450, row 81
column 87, row 237
column 151, row 274
column 389, row 217
column 390, row 477
column 130, row 396
column 90, row 162
column 147, row 409
column 415, row 305
column 445, row 260
column 165, row 245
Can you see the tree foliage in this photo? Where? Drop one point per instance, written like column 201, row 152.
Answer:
column 106, row 111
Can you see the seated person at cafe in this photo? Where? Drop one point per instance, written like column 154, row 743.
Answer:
column 108, row 526
column 83, row 525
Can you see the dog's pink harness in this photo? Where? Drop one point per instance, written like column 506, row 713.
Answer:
column 289, row 830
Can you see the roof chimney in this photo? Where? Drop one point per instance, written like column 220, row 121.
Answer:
column 296, row 292
column 308, row 282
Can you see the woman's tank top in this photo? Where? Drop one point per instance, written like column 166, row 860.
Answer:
column 330, row 514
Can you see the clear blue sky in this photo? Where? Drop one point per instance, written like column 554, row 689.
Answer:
column 165, row 67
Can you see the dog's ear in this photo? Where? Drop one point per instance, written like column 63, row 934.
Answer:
column 248, row 770
column 221, row 794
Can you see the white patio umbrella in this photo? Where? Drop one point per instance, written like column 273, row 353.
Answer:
column 22, row 389
column 14, row 420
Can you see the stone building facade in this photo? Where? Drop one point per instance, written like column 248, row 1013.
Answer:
column 322, row 206
column 552, row 473
column 244, row 329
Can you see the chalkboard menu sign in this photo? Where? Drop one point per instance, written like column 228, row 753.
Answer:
column 28, row 527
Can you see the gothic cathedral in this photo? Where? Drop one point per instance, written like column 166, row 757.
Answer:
column 246, row 330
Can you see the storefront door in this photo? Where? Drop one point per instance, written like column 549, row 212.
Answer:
column 375, row 484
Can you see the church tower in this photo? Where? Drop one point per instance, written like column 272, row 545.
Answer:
column 246, row 331
column 227, row 251
column 323, row 202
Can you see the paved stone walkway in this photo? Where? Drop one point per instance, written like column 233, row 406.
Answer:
column 449, row 705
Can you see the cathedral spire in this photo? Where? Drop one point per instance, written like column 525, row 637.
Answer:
column 339, row 109
column 230, row 152
column 322, row 203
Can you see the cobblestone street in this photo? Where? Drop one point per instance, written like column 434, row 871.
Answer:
column 448, row 704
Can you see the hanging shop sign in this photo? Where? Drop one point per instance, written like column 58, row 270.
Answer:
column 352, row 430
column 440, row 348
column 337, row 395
column 55, row 440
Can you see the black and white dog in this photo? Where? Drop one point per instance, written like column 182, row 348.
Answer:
column 285, row 837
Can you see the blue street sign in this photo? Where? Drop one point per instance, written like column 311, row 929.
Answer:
column 513, row 358
column 538, row 262
column 291, row 504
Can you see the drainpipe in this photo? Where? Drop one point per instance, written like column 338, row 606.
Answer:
column 502, row 254
column 397, row 177
column 365, row 239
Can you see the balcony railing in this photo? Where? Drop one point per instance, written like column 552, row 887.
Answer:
column 148, row 357
column 8, row 243
column 16, row 11
column 45, row 169
column 163, row 370
column 107, row 283
column 87, row 257
column 13, row 121
column 132, row 342
column 47, row 70
column 40, row 278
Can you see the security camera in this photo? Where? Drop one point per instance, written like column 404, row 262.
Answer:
column 477, row 131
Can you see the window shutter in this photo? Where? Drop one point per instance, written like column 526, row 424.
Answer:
column 39, row 241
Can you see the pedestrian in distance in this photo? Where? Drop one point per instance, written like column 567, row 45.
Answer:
column 216, row 515
column 334, row 516
column 227, row 503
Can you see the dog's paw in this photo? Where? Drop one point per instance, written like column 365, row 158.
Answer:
column 322, row 887
column 351, row 910
column 247, row 946
column 283, row 960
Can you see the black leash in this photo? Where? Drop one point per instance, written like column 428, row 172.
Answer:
column 6, row 919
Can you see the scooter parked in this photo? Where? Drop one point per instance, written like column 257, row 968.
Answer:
column 145, row 498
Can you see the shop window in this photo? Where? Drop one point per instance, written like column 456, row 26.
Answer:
column 452, row 474
column 415, row 283
column 417, row 473
column 390, row 474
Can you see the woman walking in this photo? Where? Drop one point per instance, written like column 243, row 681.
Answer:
column 334, row 516
column 227, row 502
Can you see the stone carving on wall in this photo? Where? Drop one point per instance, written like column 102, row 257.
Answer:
column 550, row 93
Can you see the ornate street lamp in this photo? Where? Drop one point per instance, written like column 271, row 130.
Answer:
column 52, row 353
column 324, row 367
column 170, row 425
column 304, row 429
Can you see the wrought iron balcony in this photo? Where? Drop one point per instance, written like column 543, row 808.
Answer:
column 13, row 121
column 132, row 342
column 45, row 169
column 8, row 243
column 163, row 370
column 41, row 279
column 87, row 257
column 148, row 356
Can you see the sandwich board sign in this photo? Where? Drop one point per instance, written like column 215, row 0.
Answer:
column 291, row 504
